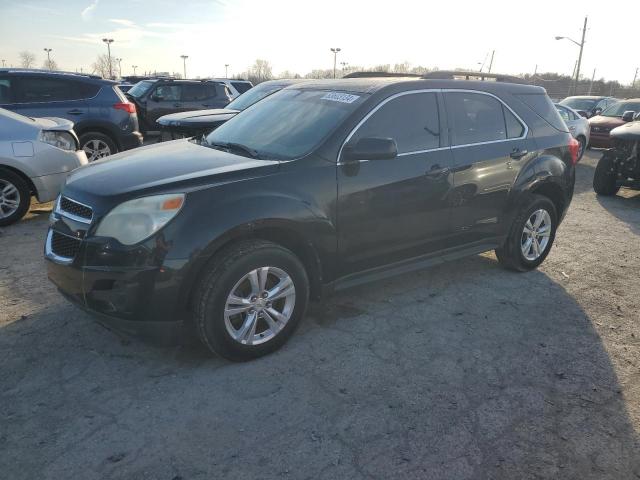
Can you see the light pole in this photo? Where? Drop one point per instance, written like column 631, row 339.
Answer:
column 184, row 65
column 109, row 41
column 48, row 50
column 134, row 69
column 335, row 55
column 581, row 45
column 491, row 62
column 226, row 70
column 3, row 63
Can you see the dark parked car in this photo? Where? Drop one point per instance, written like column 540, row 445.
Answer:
column 155, row 98
column 104, row 120
column 617, row 114
column 318, row 187
column 200, row 122
column 587, row 105
column 620, row 165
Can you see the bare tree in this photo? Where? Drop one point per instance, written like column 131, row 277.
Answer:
column 50, row 65
column 401, row 67
column 27, row 59
column 101, row 66
column 260, row 71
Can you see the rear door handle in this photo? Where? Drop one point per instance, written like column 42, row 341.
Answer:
column 437, row 171
column 75, row 111
column 517, row 154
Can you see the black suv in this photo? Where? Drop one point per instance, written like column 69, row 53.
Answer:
column 155, row 98
column 348, row 181
column 105, row 121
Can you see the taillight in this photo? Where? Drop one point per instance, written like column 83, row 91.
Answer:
column 574, row 150
column 126, row 106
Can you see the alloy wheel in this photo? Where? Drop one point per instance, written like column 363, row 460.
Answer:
column 259, row 305
column 9, row 198
column 536, row 234
column 96, row 149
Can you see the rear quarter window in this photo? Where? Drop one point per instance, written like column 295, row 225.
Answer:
column 541, row 104
column 241, row 87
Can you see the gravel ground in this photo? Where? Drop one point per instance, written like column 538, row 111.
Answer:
column 462, row 371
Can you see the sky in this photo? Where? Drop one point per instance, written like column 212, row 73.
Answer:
column 296, row 35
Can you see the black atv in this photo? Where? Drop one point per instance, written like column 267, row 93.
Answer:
column 620, row 165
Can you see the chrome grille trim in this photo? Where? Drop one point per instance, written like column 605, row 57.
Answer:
column 59, row 210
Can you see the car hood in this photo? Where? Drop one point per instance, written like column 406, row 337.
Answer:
column 205, row 116
column 628, row 131
column 600, row 121
column 54, row 123
column 169, row 166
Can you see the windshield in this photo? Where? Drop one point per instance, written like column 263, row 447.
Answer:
column 140, row 88
column 618, row 109
column 584, row 104
column 252, row 96
column 288, row 124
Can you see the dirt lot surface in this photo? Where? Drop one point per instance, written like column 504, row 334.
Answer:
column 462, row 371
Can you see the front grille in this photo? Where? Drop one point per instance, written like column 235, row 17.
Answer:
column 74, row 208
column 64, row 246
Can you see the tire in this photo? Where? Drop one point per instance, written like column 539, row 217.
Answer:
column 97, row 145
column 226, row 333
column 604, row 178
column 15, row 197
column 583, row 147
column 511, row 255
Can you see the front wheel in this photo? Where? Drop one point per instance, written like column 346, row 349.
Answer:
column 15, row 198
column 531, row 235
column 604, row 178
column 250, row 300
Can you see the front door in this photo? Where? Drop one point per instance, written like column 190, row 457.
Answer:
column 390, row 210
column 488, row 141
column 164, row 100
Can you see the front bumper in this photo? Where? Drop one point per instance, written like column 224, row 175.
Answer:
column 600, row 140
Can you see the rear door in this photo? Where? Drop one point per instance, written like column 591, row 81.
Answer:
column 165, row 99
column 390, row 210
column 487, row 141
column 200, row 96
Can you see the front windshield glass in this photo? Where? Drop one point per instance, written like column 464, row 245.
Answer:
column 618, row 109
column 584, row 104
column 140, row 88
column 252, row 96
column 288, row 124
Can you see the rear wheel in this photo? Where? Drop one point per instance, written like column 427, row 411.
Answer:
column 581, row 147
column 97, row 145
column 15, row 197
column 531, row 236
column 251, row 300
column 604, row 178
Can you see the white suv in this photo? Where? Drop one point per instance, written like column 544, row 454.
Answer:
column 236, row 87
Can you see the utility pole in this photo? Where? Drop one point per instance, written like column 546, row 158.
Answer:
column 184, row 65
column 493, row 52
column 633, row 84
column 584, row 32
column 535, row 72
column 109, row 41
column 226, row 70
column 572, row 75
column 48, row 50
column 592, row 79
column 335, row 54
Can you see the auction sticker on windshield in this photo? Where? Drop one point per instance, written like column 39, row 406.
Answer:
column 340, row 97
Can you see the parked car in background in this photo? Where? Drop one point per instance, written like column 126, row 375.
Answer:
column 158, row 97
column 578, row 126
column 125, row 87
column 318, row 187
column 587, row 105
column 36, row 155
column 104, row 120
column 617, row 114
column 236, row 86
column 199, row 122
column 620, row 165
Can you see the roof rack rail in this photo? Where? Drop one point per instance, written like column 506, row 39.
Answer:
column 379, row 74
column 469, row 75
column 52, row 72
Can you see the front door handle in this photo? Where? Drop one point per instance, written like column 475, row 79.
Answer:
column 517, row 154
column 437, row 171
column 75, row 111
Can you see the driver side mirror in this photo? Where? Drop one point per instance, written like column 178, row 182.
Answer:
column 371, row 148
column 628, row 116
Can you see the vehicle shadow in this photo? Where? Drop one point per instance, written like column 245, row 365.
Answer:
column 460, row 371
column 625, row 206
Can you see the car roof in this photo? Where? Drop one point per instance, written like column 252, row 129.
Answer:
column 51, row 73
column 588, row 97
column 371, row 85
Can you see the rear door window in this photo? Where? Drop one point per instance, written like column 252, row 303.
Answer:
column 6, row 95
column 478, row 118
column 544, row 108
column 241, row 87
column 43, row 89
column 197, row 92
column 412, row 120
column 168, row 93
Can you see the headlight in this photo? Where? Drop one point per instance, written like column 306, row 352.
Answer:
column 62, row 140
column 133, row 221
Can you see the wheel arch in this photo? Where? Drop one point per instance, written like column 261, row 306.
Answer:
column 21, row 174
column 99, row 128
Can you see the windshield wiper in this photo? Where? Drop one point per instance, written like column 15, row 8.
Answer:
column 238, row 147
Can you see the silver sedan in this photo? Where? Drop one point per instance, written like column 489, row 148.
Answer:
column 36, row 155
column 578, row 126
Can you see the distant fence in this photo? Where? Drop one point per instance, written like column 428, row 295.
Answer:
column 560, row 87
